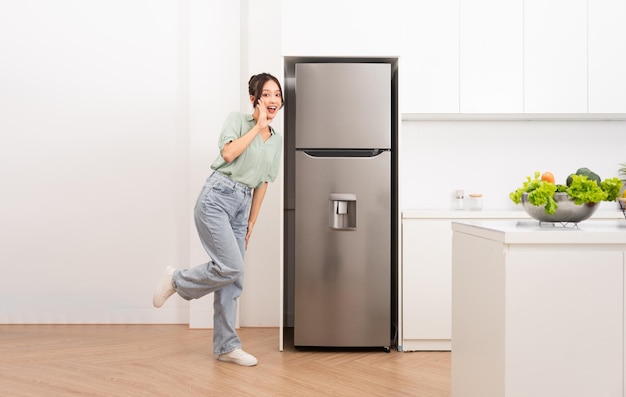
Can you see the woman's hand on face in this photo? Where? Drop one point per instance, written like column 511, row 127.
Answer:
column 262, row 121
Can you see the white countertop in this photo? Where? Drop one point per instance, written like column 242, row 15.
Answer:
column 591, row 231
column 503, row 214
column 466, row 214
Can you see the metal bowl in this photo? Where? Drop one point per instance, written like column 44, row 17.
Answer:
column 566, row 212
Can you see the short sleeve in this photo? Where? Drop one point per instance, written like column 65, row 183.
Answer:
column 231, row 130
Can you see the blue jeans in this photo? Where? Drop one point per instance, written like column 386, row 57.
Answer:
column 221, row 215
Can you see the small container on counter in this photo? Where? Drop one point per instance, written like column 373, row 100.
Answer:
column 459, row 200
column 475, row 202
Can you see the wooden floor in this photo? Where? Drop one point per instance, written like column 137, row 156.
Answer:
column 173, row 360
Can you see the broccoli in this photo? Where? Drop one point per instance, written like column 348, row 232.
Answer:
column 586, row 172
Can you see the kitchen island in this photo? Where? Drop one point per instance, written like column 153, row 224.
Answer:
column 538, row 309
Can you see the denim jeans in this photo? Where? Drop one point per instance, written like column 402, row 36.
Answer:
column 221, row 216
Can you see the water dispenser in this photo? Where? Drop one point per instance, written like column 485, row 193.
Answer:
column 342, row 211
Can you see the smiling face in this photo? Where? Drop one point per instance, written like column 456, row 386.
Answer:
column 269, row 94
column 272, row 98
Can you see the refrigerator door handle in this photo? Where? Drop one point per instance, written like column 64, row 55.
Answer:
column 343, row 152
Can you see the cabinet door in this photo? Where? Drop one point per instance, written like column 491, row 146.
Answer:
column 491, row 56
column 347, row 28
column 426, row 283
column 429, row 79
column 555, row 56
column 607, row 58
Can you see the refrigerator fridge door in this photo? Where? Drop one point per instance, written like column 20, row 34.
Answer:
column 342, row 251
column 343, row 105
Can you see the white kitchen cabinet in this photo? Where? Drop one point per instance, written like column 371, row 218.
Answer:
column 555, row 56
column 426, row 276
column 429, row 38
column 426, row 272
column 481, row 56
column 426, row 288
column 491, row 56
column 607, row 58
column 538, row 310
column 348, row 28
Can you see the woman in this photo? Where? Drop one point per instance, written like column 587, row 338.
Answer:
column 226, row 212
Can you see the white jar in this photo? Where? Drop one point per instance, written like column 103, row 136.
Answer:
column 475, row 202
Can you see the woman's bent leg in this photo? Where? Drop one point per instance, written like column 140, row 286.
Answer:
column 216, row 207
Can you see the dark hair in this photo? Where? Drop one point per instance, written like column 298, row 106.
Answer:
column 256, row 83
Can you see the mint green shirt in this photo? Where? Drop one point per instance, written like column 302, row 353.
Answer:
column 260, row 161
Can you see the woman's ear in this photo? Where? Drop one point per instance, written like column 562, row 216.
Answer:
column 252, row 100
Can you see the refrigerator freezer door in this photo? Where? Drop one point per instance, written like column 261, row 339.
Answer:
column 342, row 275
column 343, row 105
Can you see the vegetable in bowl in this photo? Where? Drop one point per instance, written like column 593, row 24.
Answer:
column 582, row 187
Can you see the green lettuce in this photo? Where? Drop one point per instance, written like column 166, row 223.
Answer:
column 539, row 193
column 584, row 190
column 581, row 190
column 612, row 187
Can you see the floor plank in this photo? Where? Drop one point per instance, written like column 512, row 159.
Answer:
column 173, row 360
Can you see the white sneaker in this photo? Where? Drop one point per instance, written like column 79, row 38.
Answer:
column 238, row 357
column 165, row 288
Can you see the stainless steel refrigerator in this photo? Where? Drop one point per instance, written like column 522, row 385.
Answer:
column 344, row 193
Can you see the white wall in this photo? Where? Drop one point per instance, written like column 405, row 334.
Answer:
column 215, row 88
column 245, row 51
column 494, row 157
column 109, row 117
column 93, row 165
column 260, row 301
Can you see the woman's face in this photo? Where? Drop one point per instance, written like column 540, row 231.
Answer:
column 271, row 98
